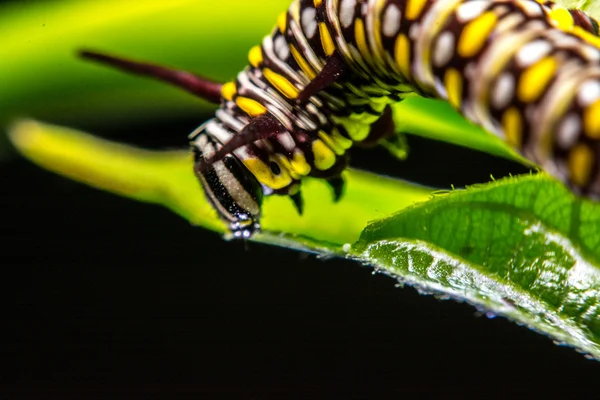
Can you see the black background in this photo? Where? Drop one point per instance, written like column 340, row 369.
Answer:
column 101, row 295
column 104, row 295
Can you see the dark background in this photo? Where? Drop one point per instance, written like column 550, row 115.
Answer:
column 101, row 296
column 105, row 295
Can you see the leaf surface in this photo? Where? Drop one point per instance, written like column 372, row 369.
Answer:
column 523, row 247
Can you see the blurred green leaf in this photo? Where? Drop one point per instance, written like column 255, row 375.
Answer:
column 166, row 178
column 41, row 76
column 436, row 120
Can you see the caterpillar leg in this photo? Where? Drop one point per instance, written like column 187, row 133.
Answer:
column 197, row 85
column 338, row 184
column 383, row 132
column 396, row 145
column 332, row 71
column 381, row 129
column 298, row 202
column 333, row 176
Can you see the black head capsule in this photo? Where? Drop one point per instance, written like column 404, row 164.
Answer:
column 230, row 187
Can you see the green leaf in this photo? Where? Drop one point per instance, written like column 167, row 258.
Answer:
column 523, row 247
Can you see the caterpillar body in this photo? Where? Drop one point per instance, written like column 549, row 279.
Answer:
column 527, row 71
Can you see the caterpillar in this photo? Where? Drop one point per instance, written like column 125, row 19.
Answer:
column 527, row 71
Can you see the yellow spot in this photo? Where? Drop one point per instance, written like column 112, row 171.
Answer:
column 228, row 90
column 358, row 131
column 361, row 41
column 341, row 141
column 326, row 41
column 562, row 18
column 293, row 189
column 250, row 107
column 299, row 163
column 263, row 173
column 304, row 66
column 282, row 160
column 284, row 86
column 581, row 161
column 591, row 120
column 324, row 157
column 255, row 56
column 587, row 36
column 282, row 21
column 475, row 34
column 414, row 8
column 512, row 125
column 331, row 143
column 534, row 79
column 402, row 55
column 454, row 86
column 377, row 36
column 317, row 3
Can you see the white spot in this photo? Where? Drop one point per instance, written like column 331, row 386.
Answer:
column 470, row 10
column 228, row 119
column 440, row 89
column 243, row 153
column 503, row 91
column 536, row 25
column 281, row 48
column 532, row 52
column 566, row 40
column 197, row 133
column 591, row 53
column 286, row 140
column 414, row 31
column 444, row 49
column 217, row 131
column 347, row 8
column 532, row 9
column 310, row 107
column 568, row 130
column 588, row 93
column 309, row 22
column 346, row 247
column 266, row 189
column 391, row 20
column 470, row 71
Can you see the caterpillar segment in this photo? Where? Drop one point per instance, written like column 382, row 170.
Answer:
column 527, row 71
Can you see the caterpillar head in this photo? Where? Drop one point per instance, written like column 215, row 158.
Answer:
column 230, row 187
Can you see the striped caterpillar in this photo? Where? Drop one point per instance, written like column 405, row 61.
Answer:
column 527, row 71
